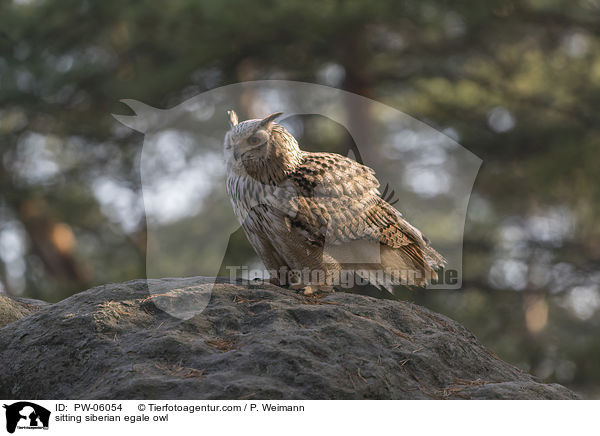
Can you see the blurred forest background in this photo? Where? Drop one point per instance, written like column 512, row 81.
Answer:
column 515, row 82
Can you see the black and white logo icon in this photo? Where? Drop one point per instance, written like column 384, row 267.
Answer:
column 26, row 415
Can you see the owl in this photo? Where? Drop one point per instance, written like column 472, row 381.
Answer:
column 315, row 217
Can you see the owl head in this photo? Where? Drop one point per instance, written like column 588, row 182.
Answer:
column 259, row 147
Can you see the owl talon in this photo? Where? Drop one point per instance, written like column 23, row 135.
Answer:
column 255, row 283
column 315, row 290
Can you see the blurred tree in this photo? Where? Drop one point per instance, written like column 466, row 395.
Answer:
column 517, row 83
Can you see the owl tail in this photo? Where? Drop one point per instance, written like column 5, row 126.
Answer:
column 384, row 267
column 408, row 266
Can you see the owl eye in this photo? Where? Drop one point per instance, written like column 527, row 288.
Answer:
column 254, row 140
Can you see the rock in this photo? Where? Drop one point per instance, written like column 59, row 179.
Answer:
column 262, row 342
column 12, row 309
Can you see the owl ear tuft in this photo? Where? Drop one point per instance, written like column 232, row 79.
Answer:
column 233, row 118
column 268, row 120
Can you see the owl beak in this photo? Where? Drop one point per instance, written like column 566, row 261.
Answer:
column 237, row 154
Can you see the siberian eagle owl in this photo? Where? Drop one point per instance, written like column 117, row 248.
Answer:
column 311, row 216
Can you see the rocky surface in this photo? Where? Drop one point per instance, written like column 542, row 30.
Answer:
column 12, row 309
column 250, row 342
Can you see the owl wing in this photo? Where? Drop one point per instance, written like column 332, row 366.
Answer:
column 339, row 201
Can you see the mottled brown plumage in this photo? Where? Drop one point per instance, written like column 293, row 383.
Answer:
column 318, row 211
